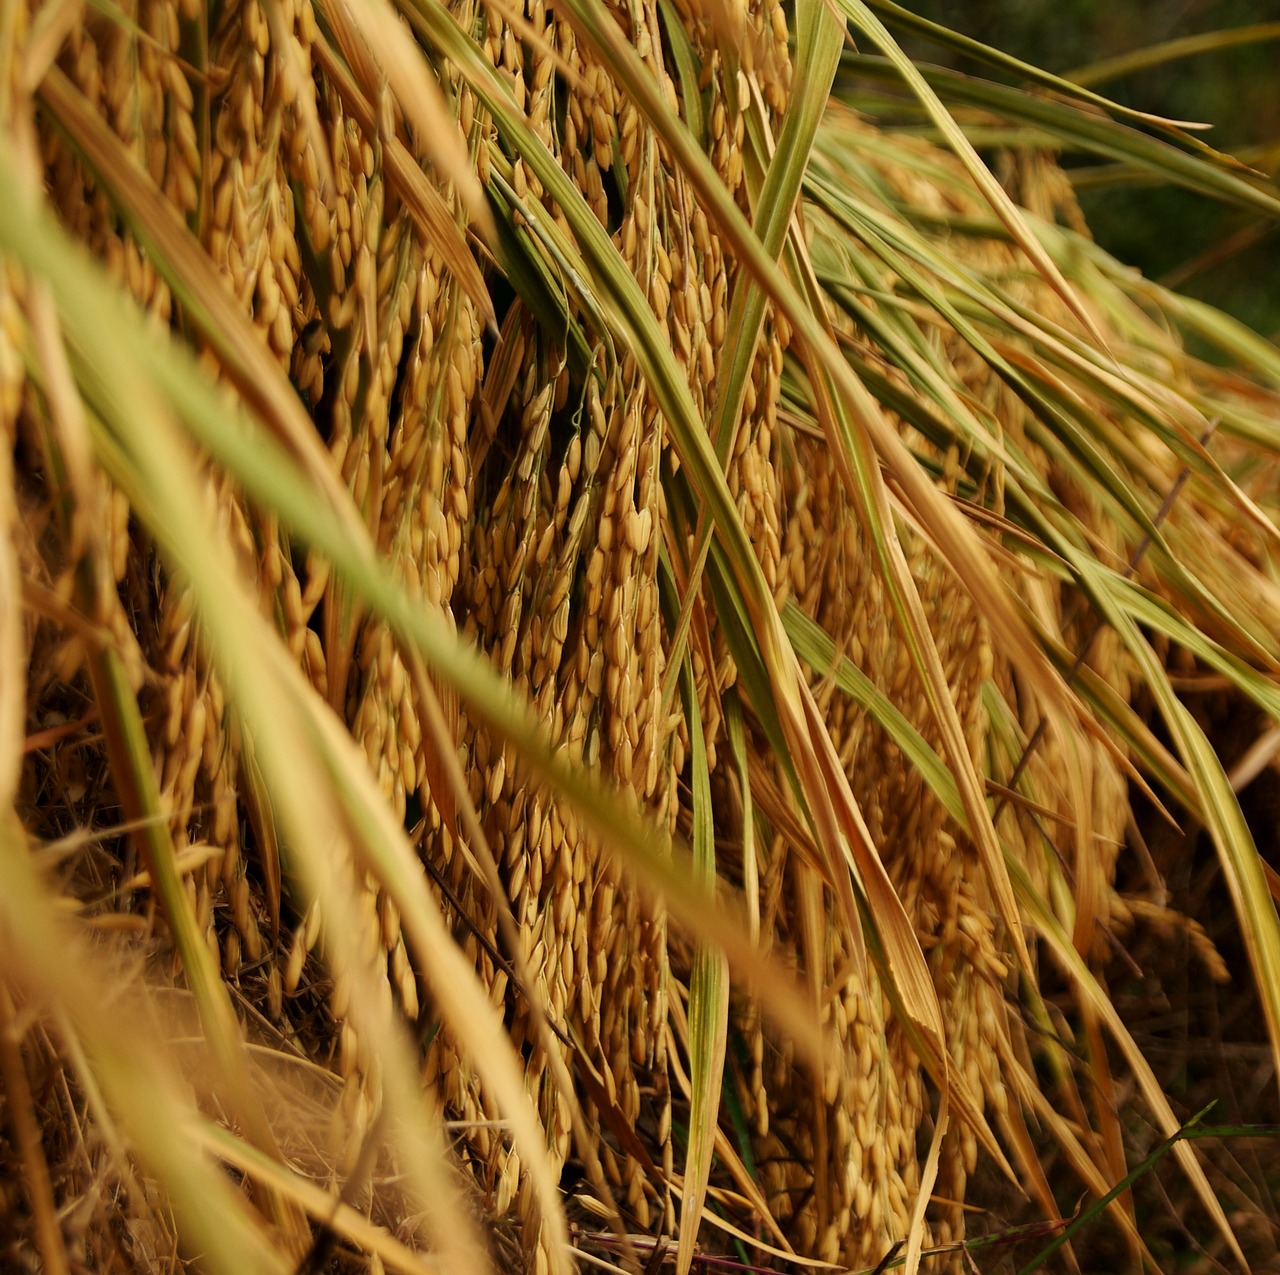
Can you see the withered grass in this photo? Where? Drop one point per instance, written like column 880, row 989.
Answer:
column 461, row 404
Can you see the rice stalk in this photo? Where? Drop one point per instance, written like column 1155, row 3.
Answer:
column 510, row 369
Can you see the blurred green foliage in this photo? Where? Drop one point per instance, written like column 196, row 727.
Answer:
column 1218, row 254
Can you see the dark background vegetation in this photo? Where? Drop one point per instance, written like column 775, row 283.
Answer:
column 1219, row 254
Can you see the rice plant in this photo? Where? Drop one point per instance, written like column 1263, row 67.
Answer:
column 597, row 619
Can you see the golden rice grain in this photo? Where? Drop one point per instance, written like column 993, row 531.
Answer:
column 293, row 968
column 555, row 577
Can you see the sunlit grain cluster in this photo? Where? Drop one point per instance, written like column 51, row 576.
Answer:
column 516, row 473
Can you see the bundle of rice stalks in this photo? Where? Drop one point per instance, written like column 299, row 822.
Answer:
column 571, row 616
